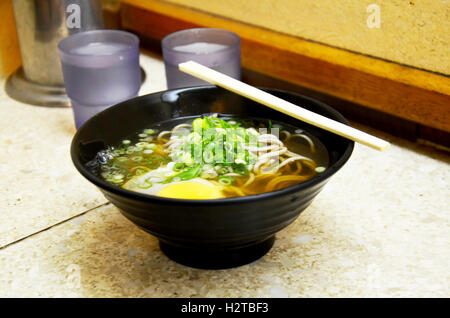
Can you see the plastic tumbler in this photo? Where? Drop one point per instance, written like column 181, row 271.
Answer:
column 100, row 69
column 215, row 48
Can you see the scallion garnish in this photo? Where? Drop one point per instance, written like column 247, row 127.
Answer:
column 145, row 185
column 320, row 169
column 226, row 180
column 149, row 131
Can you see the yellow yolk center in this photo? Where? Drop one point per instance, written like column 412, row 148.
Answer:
column 191, row 190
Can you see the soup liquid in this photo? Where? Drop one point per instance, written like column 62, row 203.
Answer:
column 291, row 174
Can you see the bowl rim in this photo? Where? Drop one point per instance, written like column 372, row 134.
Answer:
column 193, row 202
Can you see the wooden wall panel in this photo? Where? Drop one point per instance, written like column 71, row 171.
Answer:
column 412, row 94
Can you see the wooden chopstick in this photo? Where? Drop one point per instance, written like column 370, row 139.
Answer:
column 281, row 105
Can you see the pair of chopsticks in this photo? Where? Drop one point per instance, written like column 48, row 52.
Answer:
column 281, row 105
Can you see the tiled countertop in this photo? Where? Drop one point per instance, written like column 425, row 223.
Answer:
column 379, row 228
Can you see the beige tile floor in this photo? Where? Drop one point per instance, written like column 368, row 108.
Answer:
column 39, row 185
column 379, row 228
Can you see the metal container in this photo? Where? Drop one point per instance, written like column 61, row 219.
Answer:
column 41, row 24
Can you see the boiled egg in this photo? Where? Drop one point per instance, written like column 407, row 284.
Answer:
column 152, row 183
column 195, row 189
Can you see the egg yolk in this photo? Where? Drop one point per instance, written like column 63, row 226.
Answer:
column 191, row 190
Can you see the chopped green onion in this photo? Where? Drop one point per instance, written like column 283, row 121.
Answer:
column 178, row 167
column 206, row 123
column 149, row 131
column 240, row 169
column 106, row 175
column 139, row 172
column 142, row 135
column 118, row 152
column 122, row 159
column 116, row 182
column 197, row 124
column 186, row 175
column 191, row 173
column 225, row 170
column 141, row 144
column 132, row 149
column 207, row 167
column 147, row 184
column 320, row 169
column 208, row 175
column 137, row 158
column 126, row 142
column 147, row 151
column 226, row 180
column 104, row 168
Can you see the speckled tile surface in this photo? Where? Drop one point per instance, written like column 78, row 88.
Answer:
column 379, row 228
column 39, row 185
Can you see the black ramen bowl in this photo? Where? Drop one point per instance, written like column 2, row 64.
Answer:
column 211, row 234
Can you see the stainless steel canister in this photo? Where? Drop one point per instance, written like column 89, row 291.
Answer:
column 41, row 24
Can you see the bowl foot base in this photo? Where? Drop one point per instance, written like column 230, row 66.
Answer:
column 216, row 258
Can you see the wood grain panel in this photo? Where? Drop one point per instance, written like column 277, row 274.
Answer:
column 415, row 95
